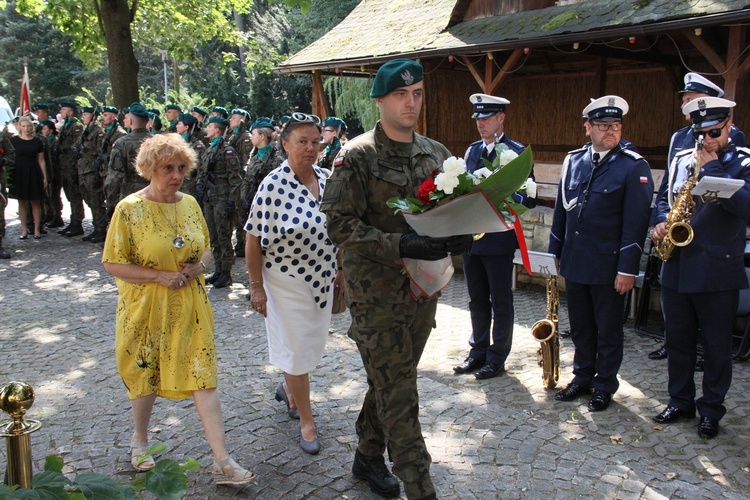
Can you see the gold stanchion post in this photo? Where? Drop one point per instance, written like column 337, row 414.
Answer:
column 15, row 400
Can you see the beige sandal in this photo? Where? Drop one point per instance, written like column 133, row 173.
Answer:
column 138, row 460
column 228, row 472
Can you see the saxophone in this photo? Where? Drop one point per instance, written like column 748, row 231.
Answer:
column 546, row 332
column 679, row 231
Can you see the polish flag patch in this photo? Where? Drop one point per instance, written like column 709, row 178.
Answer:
column 338, row 161
column 644, row 180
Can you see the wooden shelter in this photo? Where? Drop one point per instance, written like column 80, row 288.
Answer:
column 548, row 58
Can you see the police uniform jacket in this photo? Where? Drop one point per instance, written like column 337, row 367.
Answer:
column 225, row 164
column 369, row 170
column 598, row 235
column 681, row 140
column 505, row 242
column 714, row 260
column 92, row 140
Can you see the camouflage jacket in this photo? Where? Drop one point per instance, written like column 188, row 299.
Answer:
column 257, row 170
column 221, row 166
column 91, row 145
column 69, row 138
column 242, row 144
column 122, row 176
column 369, row 170
column 188, row 185
column 7, row 155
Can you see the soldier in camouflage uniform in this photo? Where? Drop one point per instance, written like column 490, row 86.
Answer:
column 218, row 190
column 200, row 114
column 389, row 326
column 53, row 201
column 7, row 160
column 112, row 132
column 334, row 136
column 122, row 178
column 172, row 112
column 67, row 158
column 189, row 128
column 239, row 139
column 89, row 179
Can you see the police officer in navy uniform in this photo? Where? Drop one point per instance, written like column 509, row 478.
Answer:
column 700, row 282
column 598, row 229
column 696, row 86
column 488, row 267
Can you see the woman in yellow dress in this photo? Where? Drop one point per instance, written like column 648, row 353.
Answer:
column 157, row 248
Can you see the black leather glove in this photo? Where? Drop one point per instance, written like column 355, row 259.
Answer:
column 459, row 244
column 231, row 208
column 414, row 246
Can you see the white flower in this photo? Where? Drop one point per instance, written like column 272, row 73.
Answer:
column 454, row 166
column 446, row 182
column 530, row 188
column 507, row 156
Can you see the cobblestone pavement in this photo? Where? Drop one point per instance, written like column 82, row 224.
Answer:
column 498, row 438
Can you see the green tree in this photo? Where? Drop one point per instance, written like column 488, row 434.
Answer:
column 178, row 26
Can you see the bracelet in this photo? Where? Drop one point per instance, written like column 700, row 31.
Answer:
column 202, row 264
column 256, row 282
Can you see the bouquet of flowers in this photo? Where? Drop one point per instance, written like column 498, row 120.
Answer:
column 454, row 201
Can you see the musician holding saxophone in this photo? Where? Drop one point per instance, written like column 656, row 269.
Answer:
column 598, row 229
column 701, row 279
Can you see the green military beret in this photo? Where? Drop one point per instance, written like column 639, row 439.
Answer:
column 154, row 111
column 222, row 111
column 48, row 123
column 172, row 106
column 262, row 122
column 69, row 104
column 220, row 120
column 139, row 110
column 187, row 119
column 110, row 109
column 156, row 124
column 240, row 111
column 39, row 106
column 285, row 119
column 90, row 109
column 334, row 122
column 200, row 111
column 396, row 74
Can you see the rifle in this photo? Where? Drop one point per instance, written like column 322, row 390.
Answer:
column 102, row 161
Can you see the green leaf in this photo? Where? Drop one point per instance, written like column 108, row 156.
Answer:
column 49, row 479
column 167, row 480
column 410, row 205
column 53, row 463
column 519, row 208
column 191, row 464
column 98, row 486
column 506, row 181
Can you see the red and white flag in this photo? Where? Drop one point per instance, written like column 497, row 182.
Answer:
column 25, row 106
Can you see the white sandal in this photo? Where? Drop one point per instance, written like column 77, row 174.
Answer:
column 228, row 472
column 140, row 462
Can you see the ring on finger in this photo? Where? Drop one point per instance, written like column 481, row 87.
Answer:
column 182, row 283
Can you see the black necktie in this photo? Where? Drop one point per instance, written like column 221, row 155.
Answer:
column 595, row 159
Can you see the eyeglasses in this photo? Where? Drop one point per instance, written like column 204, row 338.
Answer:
column 305, row 118
column 714, row 133
column 603, row 127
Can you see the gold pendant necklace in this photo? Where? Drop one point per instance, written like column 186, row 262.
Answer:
column 178, row 241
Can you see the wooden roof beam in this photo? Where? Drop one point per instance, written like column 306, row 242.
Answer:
column 477, row 77
column 512, row 60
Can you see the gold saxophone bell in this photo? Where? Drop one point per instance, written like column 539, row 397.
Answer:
column 546, row 332
column 681, row 234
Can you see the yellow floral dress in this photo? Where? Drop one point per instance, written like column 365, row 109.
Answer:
column 164, row 339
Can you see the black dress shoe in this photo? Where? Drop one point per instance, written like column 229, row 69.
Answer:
column 376, row 473
column 672, row 414
column 660, row 353
column 708, row 427
column 571, row 392
column 489, row 370
column 600, row 401
column 469, row 365
column 565, row 334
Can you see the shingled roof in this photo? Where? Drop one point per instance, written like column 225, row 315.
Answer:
column 377, row 30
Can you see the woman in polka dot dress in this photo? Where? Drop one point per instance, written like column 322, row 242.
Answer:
column 293, row 268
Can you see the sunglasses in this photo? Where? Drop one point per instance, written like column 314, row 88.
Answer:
column 305, row 118
column 603, row 127
column 714, row 133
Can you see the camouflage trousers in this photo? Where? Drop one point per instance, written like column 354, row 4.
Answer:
column 390, row 339
column 93, row 194
column 220, row 226
column 73, row 193
column 53, row 203
column 3, row 204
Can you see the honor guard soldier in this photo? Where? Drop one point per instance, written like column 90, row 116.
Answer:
column 200, row 114
column 42, row 113
column 89, row 178
column 112, row 132
column 67, row 158
column 172, row 112
column 54, row 186
column 695, row 86
column 239, row 120
column 189, row 128
column 7, row 160
column 700, row 281
column 334, row 132
column 488, row 266
column 598, row 229
column 218, row 190
column 219, row 111
column 154, row 124
column 389, row 326
column 122, row 177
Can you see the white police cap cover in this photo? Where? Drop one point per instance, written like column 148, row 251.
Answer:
column 701, row 85
column 708, row 111
column 487, row 105
column 608, row 107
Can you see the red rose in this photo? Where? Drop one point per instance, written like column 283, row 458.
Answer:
column 427, row 187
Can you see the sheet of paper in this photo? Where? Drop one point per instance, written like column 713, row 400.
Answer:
column 471, row 213
column 717, row 187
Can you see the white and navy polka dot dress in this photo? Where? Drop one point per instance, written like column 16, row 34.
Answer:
column 299, row 266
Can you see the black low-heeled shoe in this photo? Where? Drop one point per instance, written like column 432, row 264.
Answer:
column 281, row 396
column 23, row 236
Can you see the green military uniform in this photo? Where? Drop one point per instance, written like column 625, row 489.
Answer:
column 54, row 184
column 7, row 161
column 112, row 133
column 240, row 141
column 90, row 181
column 67, row 142
column 122, row 177
column 257, row 170
column 388, row 325
column 196, row 142
column 218, row 189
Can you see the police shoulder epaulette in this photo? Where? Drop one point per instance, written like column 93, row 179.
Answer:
column 743, row 150
column 684, row 152
column 579, row 150
column 632, row 154
column 515, row 143
column 339, row 160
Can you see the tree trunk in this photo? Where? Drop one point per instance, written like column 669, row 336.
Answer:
column 123, row 66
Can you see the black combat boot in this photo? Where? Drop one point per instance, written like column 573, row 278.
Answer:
column 239, row 250
column 212, row 279
column 3, row 254
column 73, row 230
column 97, row 237
column 56, row 222
column 224, row 280
column 88, row 236
column 376, row 473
